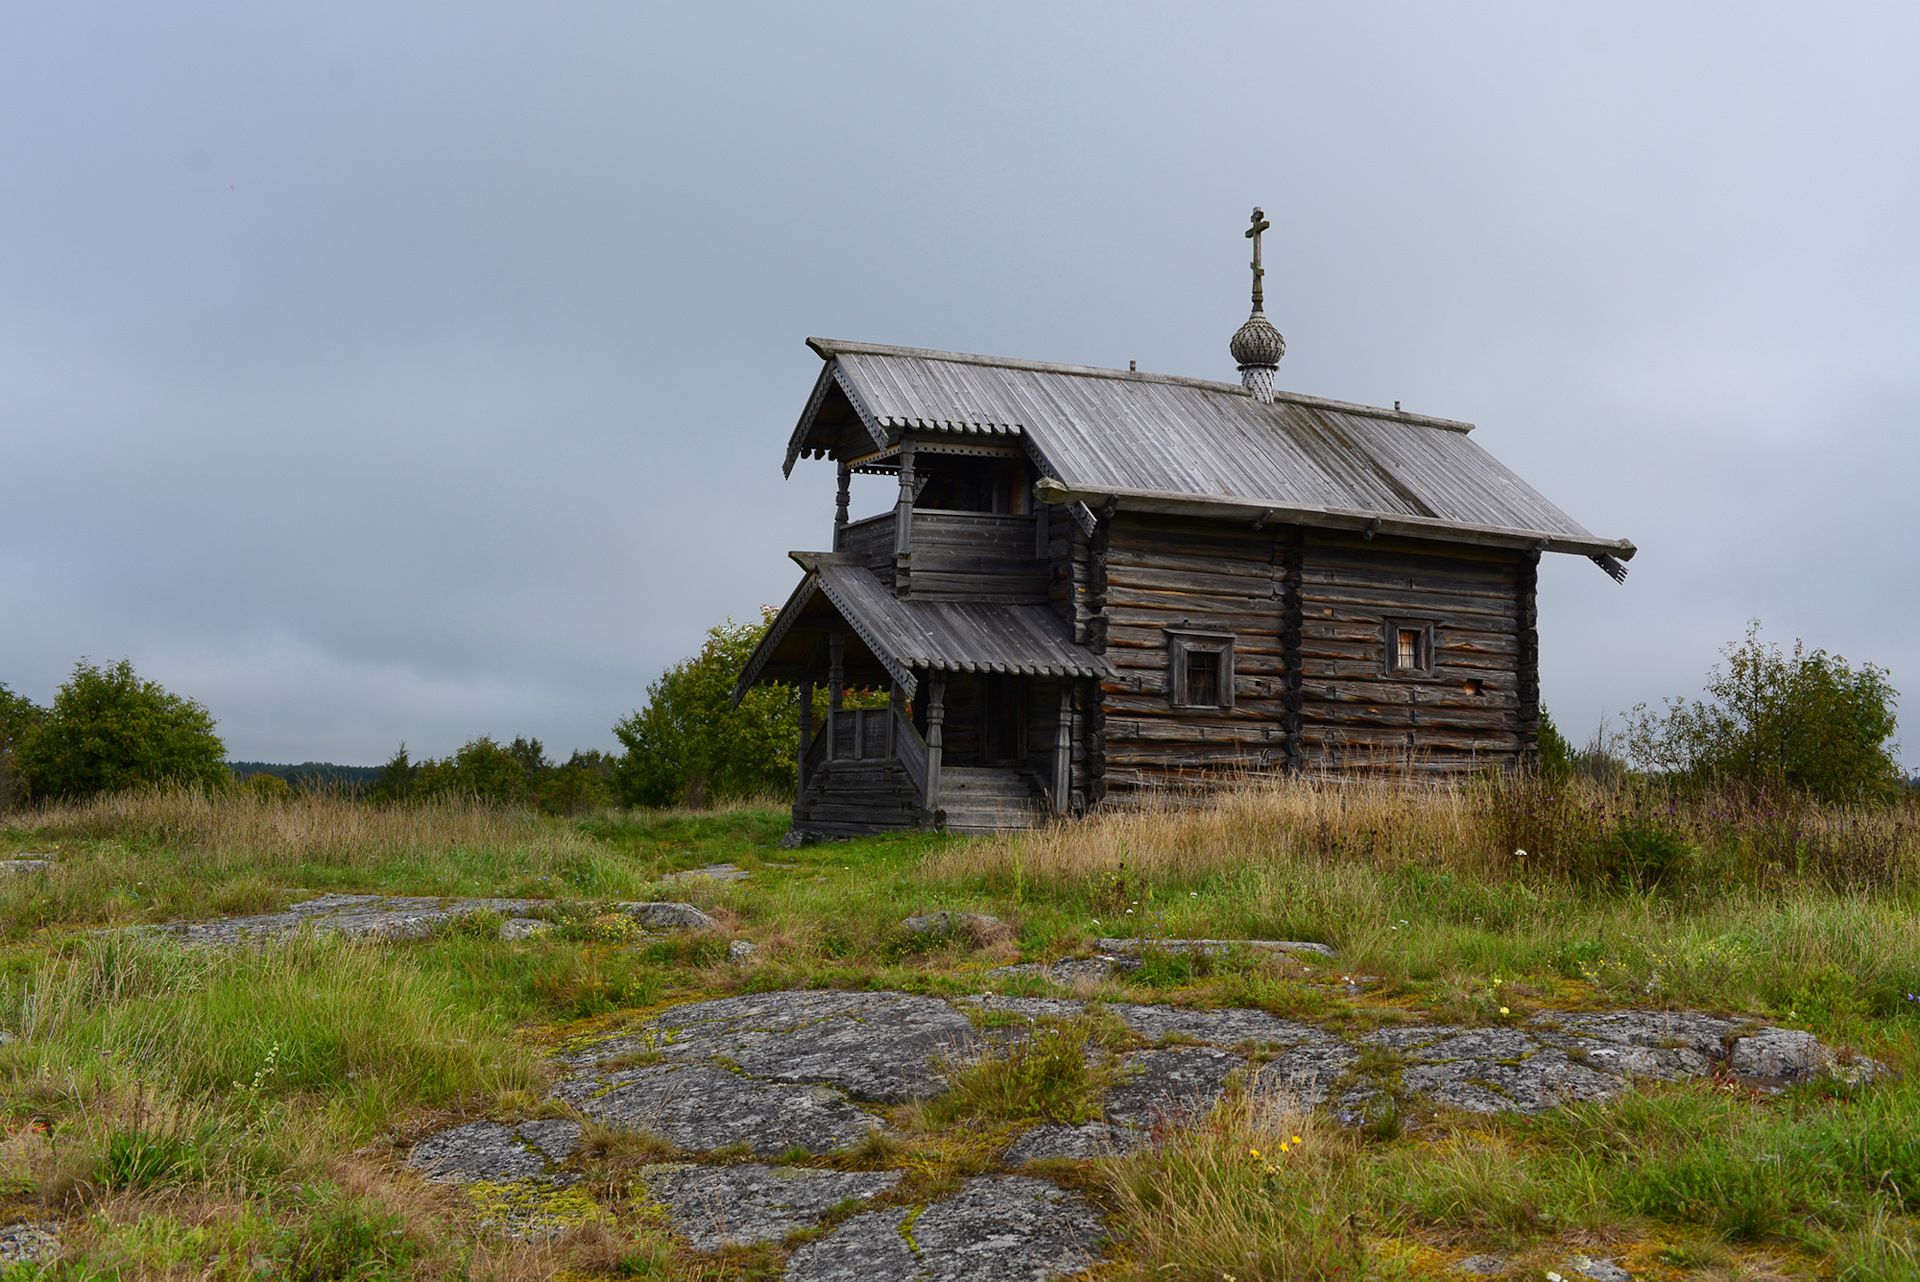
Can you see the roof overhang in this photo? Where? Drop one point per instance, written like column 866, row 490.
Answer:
column 1263, row 511
column 831, row 380
column 893, row 638
column 767, row 662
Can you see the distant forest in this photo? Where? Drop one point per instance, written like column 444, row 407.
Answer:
column 310, row 774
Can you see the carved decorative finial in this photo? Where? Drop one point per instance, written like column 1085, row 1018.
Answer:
column 1258, row 347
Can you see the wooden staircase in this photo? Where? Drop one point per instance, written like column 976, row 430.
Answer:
column 990, row 799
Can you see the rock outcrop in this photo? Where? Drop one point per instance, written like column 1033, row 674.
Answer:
column 752, row 1088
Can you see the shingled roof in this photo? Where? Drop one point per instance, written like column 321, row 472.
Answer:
column 897, row 635
column 1157, row 442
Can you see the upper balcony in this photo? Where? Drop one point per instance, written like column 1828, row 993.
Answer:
column 956, row 556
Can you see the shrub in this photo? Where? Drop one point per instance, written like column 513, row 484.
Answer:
column 107, row 729
column 267, row 787
column 1556, row 754
column 1808, row 722
column 17, row 716
column 396, row 779
column 690, row 745
column 584, row 783
column 482, row 770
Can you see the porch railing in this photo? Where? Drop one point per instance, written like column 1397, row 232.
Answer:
column 868, row 734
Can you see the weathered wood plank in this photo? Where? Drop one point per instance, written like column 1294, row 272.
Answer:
column 1437, row 570
column 1142, row 644
column 1322, row 543
column 1168, row 756
column 1384, row 716
column 1192, row 582
column 1357, row 739
column 1131, row 716
column 1256, row 563
column 1390, row 690
column 1494, row 613
column 1357, row 654
column 1169, row 608
column 1147, row 730
column 1353, row 641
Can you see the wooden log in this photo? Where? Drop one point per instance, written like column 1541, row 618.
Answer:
column 1252, row 561
column 1528, row 662
column 1127, row 732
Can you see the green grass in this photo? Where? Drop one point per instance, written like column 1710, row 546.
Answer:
column 216, row 1106
column 1042, row 1075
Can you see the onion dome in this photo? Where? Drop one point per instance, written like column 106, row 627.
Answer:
column 1257, row 342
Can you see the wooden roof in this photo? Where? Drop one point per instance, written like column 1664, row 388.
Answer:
column 891, row 637
column 1123, row 435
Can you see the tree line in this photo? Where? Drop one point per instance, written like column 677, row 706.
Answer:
column 1802, row 721
column 108, row 729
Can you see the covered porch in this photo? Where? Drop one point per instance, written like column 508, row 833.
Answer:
column 983, row 705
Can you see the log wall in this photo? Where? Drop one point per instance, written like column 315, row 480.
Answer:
column 975, row 556
column 1355, row 714
column 1309, row 611
column 1175, row 572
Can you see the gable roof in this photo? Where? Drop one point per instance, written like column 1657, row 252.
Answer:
column 901, row 635
column 1120, row 435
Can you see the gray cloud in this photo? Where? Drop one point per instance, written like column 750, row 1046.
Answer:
column 373, row 373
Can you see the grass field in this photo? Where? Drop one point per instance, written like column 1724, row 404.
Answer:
column 237, row 1114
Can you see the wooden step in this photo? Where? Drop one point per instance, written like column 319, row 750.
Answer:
column 989, row 799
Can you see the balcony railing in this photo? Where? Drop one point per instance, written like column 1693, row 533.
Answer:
column 954, row 554
column 868, row 734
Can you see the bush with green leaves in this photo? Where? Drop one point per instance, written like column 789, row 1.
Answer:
column 17, row 715
column 691, row 746
column 107, row 730
column 1556, row 754
column 518, row 774
column 584, row 783
column 1808, row 722
column 482, row 770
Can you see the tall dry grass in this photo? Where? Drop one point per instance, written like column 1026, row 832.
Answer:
column 167, row 853
column 1171, row 838
column 1581, row 830
column 305, row 826
column 1259, row 1190
column 1738, row 903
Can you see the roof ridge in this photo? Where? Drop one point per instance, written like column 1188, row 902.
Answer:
column 828, row 348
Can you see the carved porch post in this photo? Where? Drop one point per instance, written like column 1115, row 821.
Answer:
column 903, row 522
column 1063, row 751
column 840, row 509
column 936, row 734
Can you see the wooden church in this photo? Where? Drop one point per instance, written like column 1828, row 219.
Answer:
column 1097, row 583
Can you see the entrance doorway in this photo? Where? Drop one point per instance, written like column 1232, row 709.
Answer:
column 1003, row 739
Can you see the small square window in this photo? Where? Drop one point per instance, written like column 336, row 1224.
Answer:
column 1409, row 647
column 1200, row 669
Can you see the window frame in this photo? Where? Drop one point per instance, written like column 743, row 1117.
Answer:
column 1424, row 665
column 1182, row 642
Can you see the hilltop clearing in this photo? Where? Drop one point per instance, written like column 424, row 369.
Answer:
column 1303, row 1032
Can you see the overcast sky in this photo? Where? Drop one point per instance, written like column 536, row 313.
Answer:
column 388, row 371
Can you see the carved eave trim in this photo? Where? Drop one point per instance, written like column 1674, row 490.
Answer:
column 831, row 376
column 782, row 624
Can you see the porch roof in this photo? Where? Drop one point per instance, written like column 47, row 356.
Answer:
column 894, row 636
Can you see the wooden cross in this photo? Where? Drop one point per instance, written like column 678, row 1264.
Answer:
column 1260, row 224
